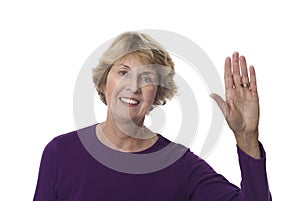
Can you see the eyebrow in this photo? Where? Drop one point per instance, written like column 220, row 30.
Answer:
column 125, row 65
column 145, row 72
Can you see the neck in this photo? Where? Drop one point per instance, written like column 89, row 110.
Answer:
column 125, row 136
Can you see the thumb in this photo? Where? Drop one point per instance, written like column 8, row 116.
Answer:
column 221, row 103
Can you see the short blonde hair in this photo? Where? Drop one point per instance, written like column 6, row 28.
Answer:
column 149, row 52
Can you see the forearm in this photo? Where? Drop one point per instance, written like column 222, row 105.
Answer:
column 254, row 185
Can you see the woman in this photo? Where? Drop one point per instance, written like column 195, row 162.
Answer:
column 135, row 75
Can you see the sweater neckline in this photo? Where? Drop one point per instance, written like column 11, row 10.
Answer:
column 150, row 149
column 160, row 155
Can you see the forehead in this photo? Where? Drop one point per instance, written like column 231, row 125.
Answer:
column 134, row 62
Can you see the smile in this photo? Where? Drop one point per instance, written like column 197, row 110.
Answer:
column 129, row 101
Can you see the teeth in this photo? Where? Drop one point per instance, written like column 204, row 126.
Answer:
column 130, row 101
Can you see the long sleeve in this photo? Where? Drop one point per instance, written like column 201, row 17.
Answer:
column 254, row 185
column 204, row 184
column 45, row 189
column 68, row 172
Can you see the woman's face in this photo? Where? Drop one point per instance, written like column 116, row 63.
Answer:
column 130, row 90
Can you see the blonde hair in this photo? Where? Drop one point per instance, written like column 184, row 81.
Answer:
column 149, row 52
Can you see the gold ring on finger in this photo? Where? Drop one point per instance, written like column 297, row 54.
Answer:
column 245, row 84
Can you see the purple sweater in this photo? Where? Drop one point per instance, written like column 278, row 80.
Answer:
column 68, row 172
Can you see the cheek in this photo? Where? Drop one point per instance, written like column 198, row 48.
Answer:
column 110, row 89
column 150, row 95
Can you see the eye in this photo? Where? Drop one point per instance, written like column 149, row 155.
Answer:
column 123, row 73
column 146, row 79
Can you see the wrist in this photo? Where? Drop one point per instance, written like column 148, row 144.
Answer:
column 246, row 137
column 248, row 142
column 252, row 149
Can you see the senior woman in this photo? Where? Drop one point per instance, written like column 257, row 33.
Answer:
column 135, row 75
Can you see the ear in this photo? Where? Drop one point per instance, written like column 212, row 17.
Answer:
column 102, row 93
column 156, row 101
column 102, row 89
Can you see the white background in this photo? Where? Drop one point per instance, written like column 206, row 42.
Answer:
column 43, row 46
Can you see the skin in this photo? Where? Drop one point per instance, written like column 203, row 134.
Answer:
column 123, row 129
column 241, row 107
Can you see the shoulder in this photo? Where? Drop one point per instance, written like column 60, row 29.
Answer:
column 66, row 138
column 66, row 141
column 194, row 164
column 188, row 159
column 162, row 141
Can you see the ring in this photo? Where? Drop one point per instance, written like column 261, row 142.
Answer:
column 245, row 85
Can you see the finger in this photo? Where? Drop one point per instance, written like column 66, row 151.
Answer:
column 221, row 103
column 236, row 70
column 243, row 64
column 228, row 74
column 253, row 86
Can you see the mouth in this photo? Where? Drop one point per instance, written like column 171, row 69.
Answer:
column 129, row 101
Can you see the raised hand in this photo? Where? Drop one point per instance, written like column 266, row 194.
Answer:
column 241, row 108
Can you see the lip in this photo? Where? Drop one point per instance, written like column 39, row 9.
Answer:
column 130, row 99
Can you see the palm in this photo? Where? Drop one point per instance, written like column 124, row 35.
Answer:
column 242, row 112
column 241, row 108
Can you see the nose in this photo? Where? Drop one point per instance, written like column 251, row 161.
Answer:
column 133, row 85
